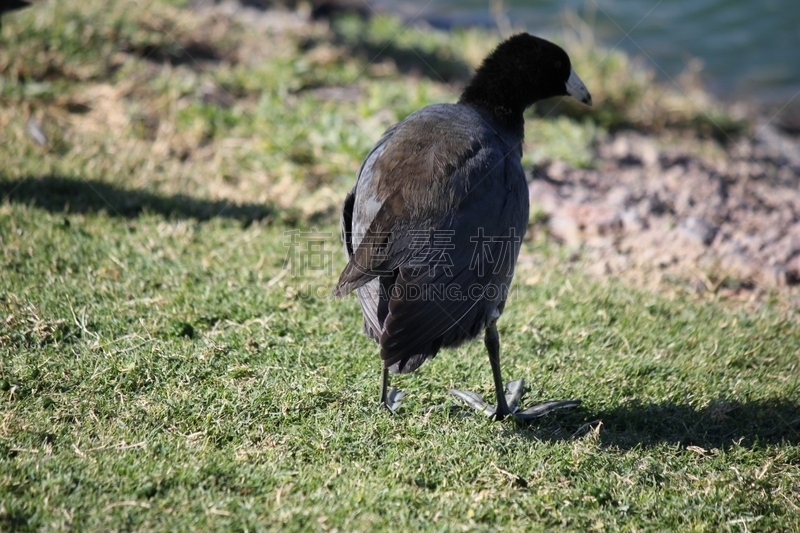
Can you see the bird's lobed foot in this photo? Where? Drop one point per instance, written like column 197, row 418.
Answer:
column 476, row 401
column 545, row 408
column 514, row 391
column 394, row 399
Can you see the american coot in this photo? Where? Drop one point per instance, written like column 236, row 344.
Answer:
column 433, row 226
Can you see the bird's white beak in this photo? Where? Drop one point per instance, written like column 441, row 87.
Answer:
column 577, row 89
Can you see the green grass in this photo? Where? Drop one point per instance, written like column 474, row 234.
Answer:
column 161, row 369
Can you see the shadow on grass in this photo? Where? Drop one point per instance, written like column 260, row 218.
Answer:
column 59, row 194
column 439, row 65
column 411, row 60
column 721, row 424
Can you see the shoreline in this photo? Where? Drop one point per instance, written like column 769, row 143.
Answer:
column 493, row 19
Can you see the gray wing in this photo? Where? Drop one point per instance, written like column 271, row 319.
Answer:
column 410, row 181
column 434, row 307
column 408, row 195
column 368, row 294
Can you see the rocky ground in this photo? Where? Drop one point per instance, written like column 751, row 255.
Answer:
column 729, row 222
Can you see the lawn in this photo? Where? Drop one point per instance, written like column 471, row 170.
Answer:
column 170, row 360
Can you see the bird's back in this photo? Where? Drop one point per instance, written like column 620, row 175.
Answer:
column 446, row 189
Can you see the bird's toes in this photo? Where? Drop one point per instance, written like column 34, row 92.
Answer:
column 515, row 390
column 474, row 400
column 394, row 399
column 545, row 408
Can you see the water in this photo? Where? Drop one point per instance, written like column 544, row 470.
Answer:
column 748, row 48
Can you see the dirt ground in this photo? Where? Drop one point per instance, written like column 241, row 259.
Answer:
column 723, row 222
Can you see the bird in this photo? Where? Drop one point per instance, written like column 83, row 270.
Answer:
column 433, row 226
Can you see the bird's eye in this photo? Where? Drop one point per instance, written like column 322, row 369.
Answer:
column 558, row 64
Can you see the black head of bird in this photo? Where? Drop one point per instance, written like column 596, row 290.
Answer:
column 521, row 71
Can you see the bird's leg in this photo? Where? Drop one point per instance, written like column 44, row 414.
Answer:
column 491, row 340
column 390, row 399
column 507, row 404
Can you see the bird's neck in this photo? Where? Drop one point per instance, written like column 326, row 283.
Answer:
column 499, row 102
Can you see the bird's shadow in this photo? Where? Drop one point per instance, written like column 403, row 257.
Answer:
column 59, row 194
column 720, row 424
